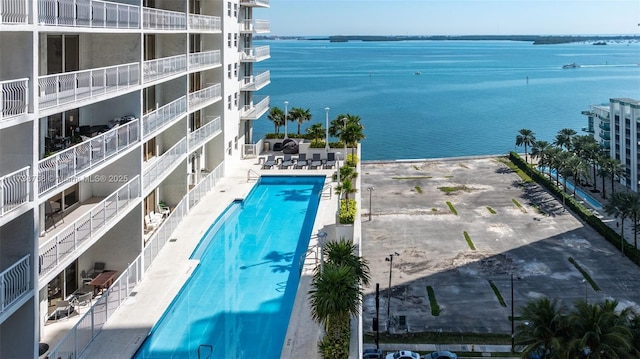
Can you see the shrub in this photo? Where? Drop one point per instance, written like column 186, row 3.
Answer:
column 317, row 144
column 336, row 348
column 352, row 160
column 347, row 214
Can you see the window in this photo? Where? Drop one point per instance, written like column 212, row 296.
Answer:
column 235, row 40
column 235, row 10
column 229, row 70
column 235, row 70
column 229, row 102
column 229, row 40
column 228, row 8
column 235, row 99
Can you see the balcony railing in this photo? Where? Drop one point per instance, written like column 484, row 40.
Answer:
column 255, row 26
column 256, row 53
column 14, row 190
column 14, row 11
column 164, row 67
column 69, row 87
column 256, row 82
column 204, row 23
column 264, row 3
column 67, row 241
column 157, row 19
column 70, row 164
column 88, row 13
column 254, row 111
column 166, row 114
column 14, row 97
column 200, row 60
column 14, row 282
column 205, row 96
column 201, row 135
column 159, row 169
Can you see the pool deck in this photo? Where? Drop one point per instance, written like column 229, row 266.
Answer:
column 131, row 323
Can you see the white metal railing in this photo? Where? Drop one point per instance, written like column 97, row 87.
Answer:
column 250, row 150
column 14, row 282
column 205, row 96
column 154, row 173
column 256, row 53
column 67, row 241
column 198, row 60
column 69, row 164
column 158, row 19
column 204, row 133
column 166, row 114
column 164, row 67
column 207, row 183
column 255, row 26
column 88, row 13
column 253, row 111
column 14, row 190
column 255, row 82
column 58, row 89
column 14, row 11
column 14, row 97
column 160, row 237
column 254, row 2
column 204, row 22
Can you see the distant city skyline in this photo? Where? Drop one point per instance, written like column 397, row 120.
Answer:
column 452, row 17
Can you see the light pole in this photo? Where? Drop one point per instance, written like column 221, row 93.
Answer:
column 338, row 154
column 513, row 328
column 322, row 237
column 326, row 129
column 286, row 113
column 586, row 299
column 370, row 189
column 390, row 260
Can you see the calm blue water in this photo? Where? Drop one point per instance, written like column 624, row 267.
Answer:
column 239, row 299
column 470, row 99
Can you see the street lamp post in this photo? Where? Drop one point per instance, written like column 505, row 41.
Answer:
column 370, row 189
column 390, row 260
column 338, row 154
column 286, row 113
column 344, row 128
column 326, row 129
column 586, row 298
column 513, row 328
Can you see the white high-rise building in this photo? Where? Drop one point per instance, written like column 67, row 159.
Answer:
column 115, row 118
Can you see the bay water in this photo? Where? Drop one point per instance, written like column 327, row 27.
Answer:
column 436, row 99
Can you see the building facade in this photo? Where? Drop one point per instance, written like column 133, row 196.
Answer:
column 616, row 127
column 115, row 116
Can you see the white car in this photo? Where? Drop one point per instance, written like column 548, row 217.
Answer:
column 403, row 354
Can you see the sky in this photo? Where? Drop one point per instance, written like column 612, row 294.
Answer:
column 451, row 17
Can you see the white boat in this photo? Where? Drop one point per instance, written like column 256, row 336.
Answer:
column 570, row 66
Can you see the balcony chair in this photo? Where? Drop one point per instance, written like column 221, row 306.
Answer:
column 331, row 160
column 270, row 162
column 50, row 212
column 286, row 162
column 64, row 308
column 301, row 162
column 316, row 161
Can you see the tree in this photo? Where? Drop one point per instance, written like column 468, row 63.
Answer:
column 543, row 329
column 616, row 170
column 564, row 138
column 316, row 131
column 348, row 129
column 525, row 138
column 579, row 170
column 276, row 116
column 619, row 208
column 342, row 252
column 299, row 115
column 346, row 187
column 540, row 150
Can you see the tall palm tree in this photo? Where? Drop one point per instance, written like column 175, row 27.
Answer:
column 619, row 208
column 543, row 329
column 564, row 138
column 579, row 169
column 525, row 138
column 299, row 115
column 316, row 131
column 342, row 252
column 555, row 158
column 276, row 116
column 540, row 150
column 616, row 170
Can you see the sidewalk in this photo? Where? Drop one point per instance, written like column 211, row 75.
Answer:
column 428, row 348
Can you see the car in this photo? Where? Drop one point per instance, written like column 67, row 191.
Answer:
column 372, row 353
column 443, row 354
column 403, row 354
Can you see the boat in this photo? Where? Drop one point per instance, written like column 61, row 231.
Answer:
column 570, row 66
column 417, row 73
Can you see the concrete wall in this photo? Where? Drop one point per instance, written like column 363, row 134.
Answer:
column 18, row 62
column 16, row 145
column 17, row 337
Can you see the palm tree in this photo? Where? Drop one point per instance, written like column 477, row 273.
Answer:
column 619, row 208
column 299, row 115
column 276, row 115
column 346, row 187
column 525, row 138
column 543, row 329
column 342, row 252
column 579, row 170
column 564, row 138
column 540, row 150
column 616, row 170
column 316, row 131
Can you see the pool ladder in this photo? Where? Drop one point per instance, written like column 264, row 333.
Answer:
column 210, row 347
column 325, row 188
column 251, row 174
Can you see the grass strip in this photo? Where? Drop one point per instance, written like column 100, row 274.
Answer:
column 418, row 189
column 440, row 338
column 491, row 210
column 586, row 275
column 496, row 291
column 525, row 177
column 515, row 201
column 469, row 241
column 411, row 177
column 453, row 189
column 452, row 209
column 435, row 308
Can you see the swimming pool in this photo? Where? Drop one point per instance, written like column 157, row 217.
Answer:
column 238, row 301
column 570, row 188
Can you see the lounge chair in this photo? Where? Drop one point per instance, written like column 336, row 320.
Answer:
column 301, row 162
column 82, row 299
column 286, row 162
column 98, row 267
column 50, row 212
column 331, row 160
column 316, row 162
column 64, row 308
column 270, row 162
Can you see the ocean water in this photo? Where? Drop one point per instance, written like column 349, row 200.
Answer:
column 469, row 98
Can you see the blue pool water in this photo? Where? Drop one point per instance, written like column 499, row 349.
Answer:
column 580, row 193
column 238, row 301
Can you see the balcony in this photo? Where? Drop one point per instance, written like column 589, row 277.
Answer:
column 605, row 126
column 14, row 98
column 255, row 54
column 160, row 68
column 205, row 97
column 605, row 135
column 254, row 3
column 14, row 11
column 204, row 23
column 88, row 221
column 254, row 111
column 250, row 26
column 161, row 167
column 14, row 190
column 91, row 14
column 255, row 83
column 203, row 134
column 68, row 165
column 95, row 84
column 204, row 60
column 165, row 115
column 15, row 281
column 157, row 19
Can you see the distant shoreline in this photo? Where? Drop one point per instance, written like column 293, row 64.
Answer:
column 535, row 39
